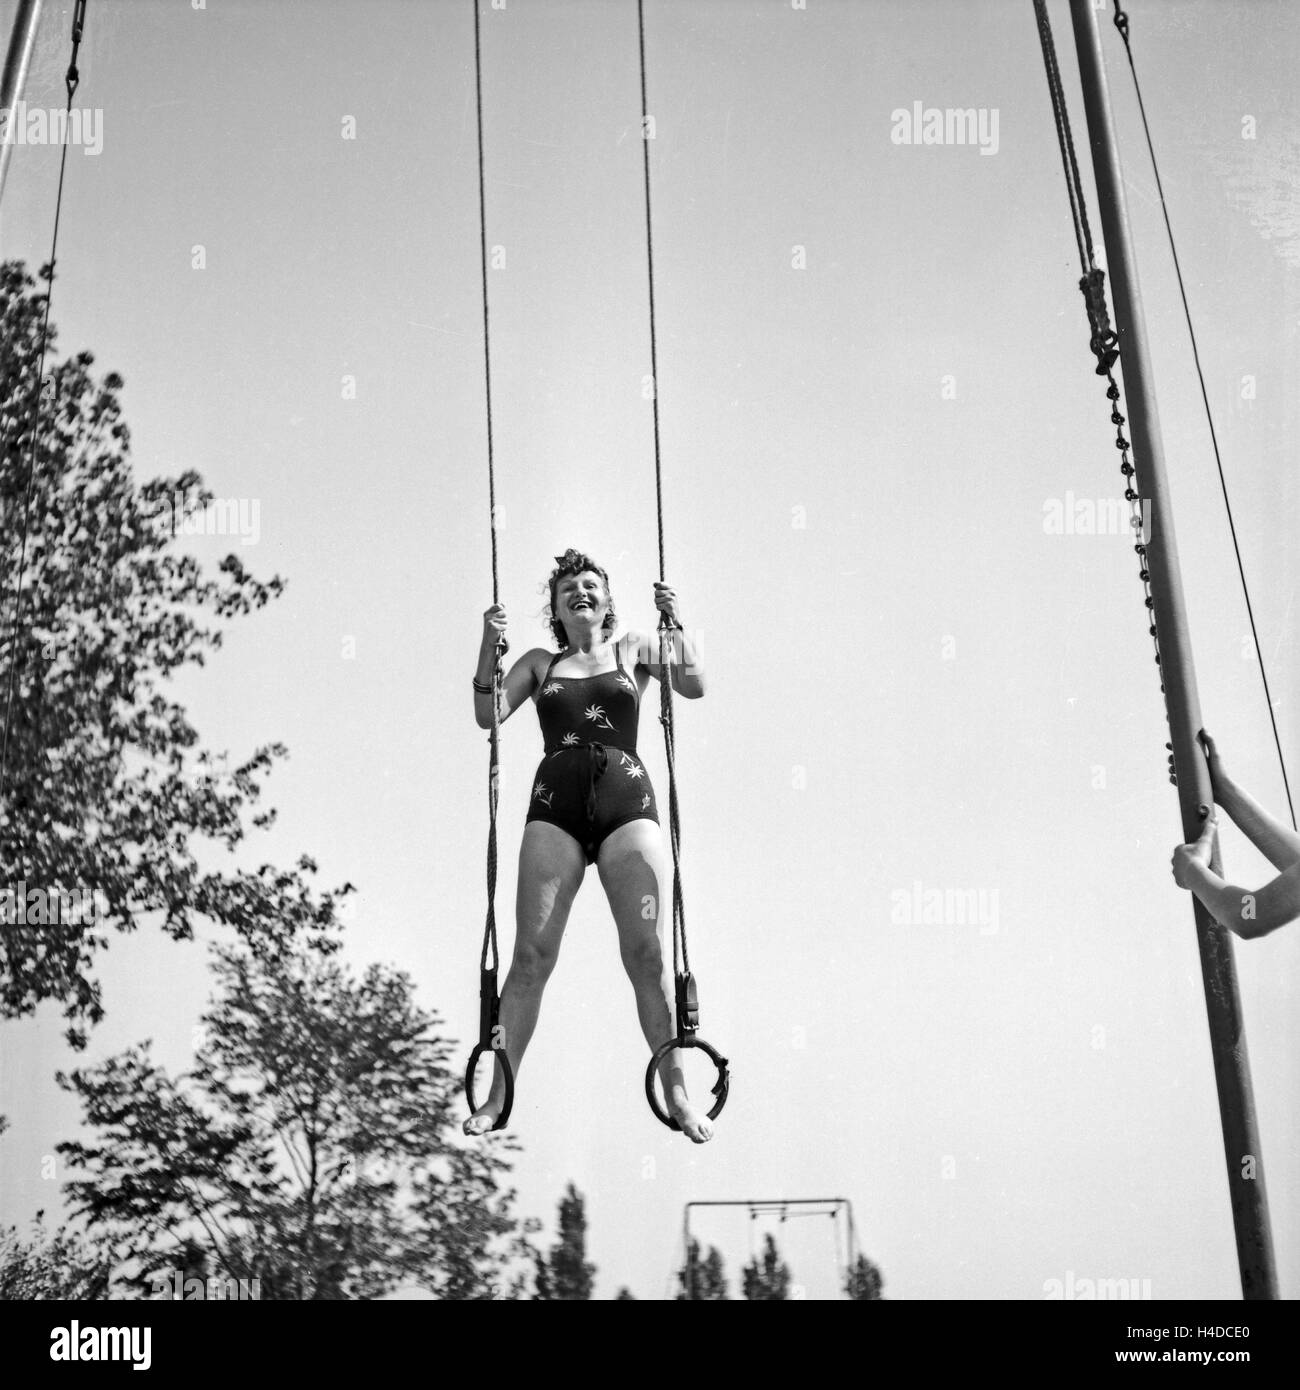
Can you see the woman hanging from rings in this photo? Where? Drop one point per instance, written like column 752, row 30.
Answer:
column 1248, row 914
column 591, row 803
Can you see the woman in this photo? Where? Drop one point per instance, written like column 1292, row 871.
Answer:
column 591, row 802
column 1247, row 914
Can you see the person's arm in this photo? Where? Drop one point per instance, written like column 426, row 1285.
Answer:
column 519, row 682
column 1277, row 842
column 1248, row 914
column 1241, row 911
column 686, row 671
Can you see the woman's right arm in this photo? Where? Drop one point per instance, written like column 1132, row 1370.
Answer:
column 519, row 682
column 1277, row 842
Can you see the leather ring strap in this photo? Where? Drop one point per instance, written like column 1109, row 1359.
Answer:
column 720, row 1087
column 489, row 1040
column 507, row 1070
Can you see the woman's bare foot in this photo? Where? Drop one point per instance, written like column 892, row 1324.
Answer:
column 695, row 1125
column 484, row 1118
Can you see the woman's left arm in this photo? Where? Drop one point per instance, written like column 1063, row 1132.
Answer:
column 686, row 670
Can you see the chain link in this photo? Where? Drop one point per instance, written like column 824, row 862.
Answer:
column 1103, row 340
column 1137, row 522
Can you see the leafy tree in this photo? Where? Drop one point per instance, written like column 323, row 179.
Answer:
column 768, row 1277
column 313, row 1147
column 58, row 1266
column 864, row 1280
column 702, row 1279
column 565, row 1274
column 543, row 1285
column 105, row 783
column 625, row 1295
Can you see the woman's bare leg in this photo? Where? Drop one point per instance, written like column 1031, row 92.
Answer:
column 551, row 869
column 630, row 864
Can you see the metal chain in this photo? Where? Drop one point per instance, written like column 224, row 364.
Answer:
column 1103, row 340
column 1136, row 521
column 1121, row 23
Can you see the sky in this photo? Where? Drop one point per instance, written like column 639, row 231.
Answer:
column 874, row 390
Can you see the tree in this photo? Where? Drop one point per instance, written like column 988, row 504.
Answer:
column 105, row 784
column 61, row 1266
column 767, row 1278
column 310, row 1149
column 565, row 1274
column 864, row 1280
column 702, row 1279
column 625, row 1295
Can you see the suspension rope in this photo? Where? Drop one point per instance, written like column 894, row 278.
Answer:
column 490, row 1036
column 494, row 738
column 681, row 957
column 687, row 1002
column 1065, row 141
column 1104, row 342
column 1121, row 23
column 72, row 79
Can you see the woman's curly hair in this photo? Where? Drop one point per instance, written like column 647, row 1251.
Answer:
column 575, row 562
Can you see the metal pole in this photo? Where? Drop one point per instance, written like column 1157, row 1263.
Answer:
column 22, row 39
column 1218, row 969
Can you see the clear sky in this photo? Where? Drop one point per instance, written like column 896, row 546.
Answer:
column 911, row 681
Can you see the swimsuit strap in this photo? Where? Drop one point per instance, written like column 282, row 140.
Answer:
column 550, row 666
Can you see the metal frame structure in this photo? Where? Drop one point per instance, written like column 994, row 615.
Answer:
column 834, row 1207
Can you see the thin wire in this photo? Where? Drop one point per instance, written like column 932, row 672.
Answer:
column 1121, row 23
column 72, row 80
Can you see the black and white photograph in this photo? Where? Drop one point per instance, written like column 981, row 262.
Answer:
column 648, row 651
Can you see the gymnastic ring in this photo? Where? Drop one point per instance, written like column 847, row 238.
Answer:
column 720, row 1087
column 479, row 1050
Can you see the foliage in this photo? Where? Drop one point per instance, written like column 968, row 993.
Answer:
column 768, row 1277
column 313, row 1148
column 705, row 1279
column 106, row 786
column 565, row 1274
column 864, row 1281
column 52, row 1267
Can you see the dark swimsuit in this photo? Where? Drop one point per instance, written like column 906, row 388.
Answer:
column 590, row 781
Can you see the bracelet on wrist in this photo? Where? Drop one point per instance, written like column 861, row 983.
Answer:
column 481, row 688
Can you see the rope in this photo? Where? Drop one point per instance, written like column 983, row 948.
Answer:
column 1065, row 140
column 681, row 957
column 1121, row 23
column 494, row 737
column 1105, row 342
column 72, row 80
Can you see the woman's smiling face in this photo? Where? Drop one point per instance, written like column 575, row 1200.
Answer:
column 581, row 599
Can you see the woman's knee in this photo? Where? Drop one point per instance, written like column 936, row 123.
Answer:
column 643, row 956
column 533, row 963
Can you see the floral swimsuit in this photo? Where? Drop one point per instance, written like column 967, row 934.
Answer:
column 590, row 780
